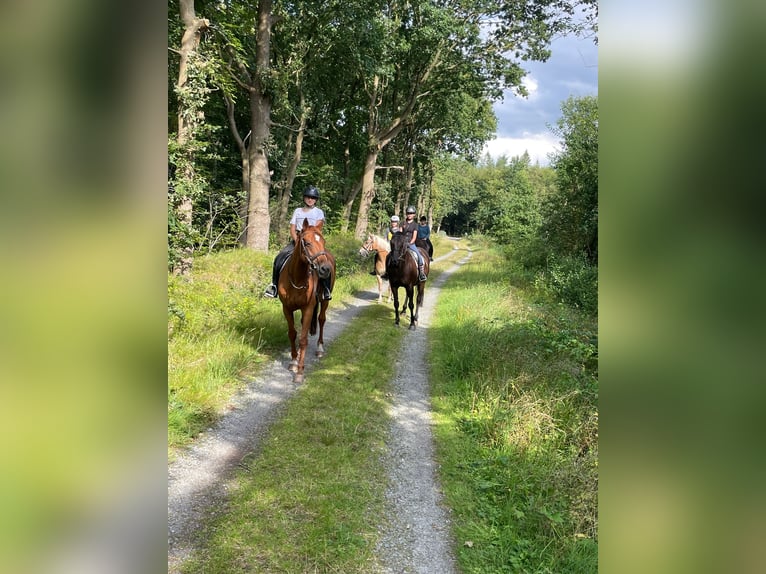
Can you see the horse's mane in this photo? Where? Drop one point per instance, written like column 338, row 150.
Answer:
column 382, row 241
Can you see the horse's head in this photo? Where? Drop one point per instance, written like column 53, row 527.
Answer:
column 312, row 248
column 399, row 243
column 367, row 246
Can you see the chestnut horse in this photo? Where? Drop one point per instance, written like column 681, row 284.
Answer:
column 299, row 288
column 381, row 247
column 402, row 270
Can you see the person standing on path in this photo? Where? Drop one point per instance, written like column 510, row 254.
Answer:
column 315, row 216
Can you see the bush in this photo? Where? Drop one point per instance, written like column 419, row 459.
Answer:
column 571, row 279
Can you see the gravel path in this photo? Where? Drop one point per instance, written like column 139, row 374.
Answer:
column 415, row 537
column 415, row 534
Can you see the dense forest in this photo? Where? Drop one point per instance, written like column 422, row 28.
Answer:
column 380, row 105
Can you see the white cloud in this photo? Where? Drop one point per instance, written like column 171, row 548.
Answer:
column 531, row 85
column 538, row 146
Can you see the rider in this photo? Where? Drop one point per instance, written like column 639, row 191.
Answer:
column 393, row 227
column 315, row 217
column 410, row 229
column 424, row 235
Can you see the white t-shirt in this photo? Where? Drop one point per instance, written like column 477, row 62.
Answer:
column 314, row 215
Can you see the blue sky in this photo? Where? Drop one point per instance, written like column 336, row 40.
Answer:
column 522, row 123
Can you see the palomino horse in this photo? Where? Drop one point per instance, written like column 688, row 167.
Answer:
column 381, row 247
column 402, row 270
column 299, row 288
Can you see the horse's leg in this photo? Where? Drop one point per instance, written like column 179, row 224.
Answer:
column 291, row 334
column 413, row 314
column 395, row 291
column 422, row 285
column 322, row 317
column 380, row 288
column 306, row 314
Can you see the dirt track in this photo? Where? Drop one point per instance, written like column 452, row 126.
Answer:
column 415, row 532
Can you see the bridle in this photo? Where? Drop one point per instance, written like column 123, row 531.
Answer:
column 311, row 258
column 367, row 247
column 311, row 261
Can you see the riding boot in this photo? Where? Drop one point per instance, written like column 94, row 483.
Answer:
column 326, row 293
column 421, row 274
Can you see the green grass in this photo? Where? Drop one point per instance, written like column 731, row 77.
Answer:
column 515, row 392
column 311, row 500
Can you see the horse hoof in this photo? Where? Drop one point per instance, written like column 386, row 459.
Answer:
column 293, row 368
column 297, row 379
column 412, row 327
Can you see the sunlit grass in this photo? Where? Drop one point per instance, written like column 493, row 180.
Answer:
column 515, row 390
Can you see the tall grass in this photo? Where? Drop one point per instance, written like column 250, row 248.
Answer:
column 217, row 330
column 515, row 392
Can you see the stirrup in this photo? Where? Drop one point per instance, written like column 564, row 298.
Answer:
column 271, row 291
column 327, row 295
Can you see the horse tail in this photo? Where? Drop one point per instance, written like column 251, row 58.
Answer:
column 315, row 319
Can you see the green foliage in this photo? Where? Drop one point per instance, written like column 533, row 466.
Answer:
column 572, row 279
column 571, row 214
column 326, row 57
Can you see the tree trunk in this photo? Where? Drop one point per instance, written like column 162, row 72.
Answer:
column 349, row 203
column 245, row 161
column 193, row 28
column 368, row 193
column 260, row 121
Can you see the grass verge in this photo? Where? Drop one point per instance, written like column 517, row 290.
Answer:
column 515, row 391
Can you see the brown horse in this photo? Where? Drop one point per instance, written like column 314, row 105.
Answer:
column 402, row 270
column 299, row 288
column 381, row 247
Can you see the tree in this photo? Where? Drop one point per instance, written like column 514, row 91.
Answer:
column 435, row 48
column 248, row 63
column 572, row 211
column 191, row 92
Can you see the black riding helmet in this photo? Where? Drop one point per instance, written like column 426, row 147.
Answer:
column 311, row 191
column 411, row 209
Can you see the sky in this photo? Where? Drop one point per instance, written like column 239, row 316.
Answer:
column 522, row 123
